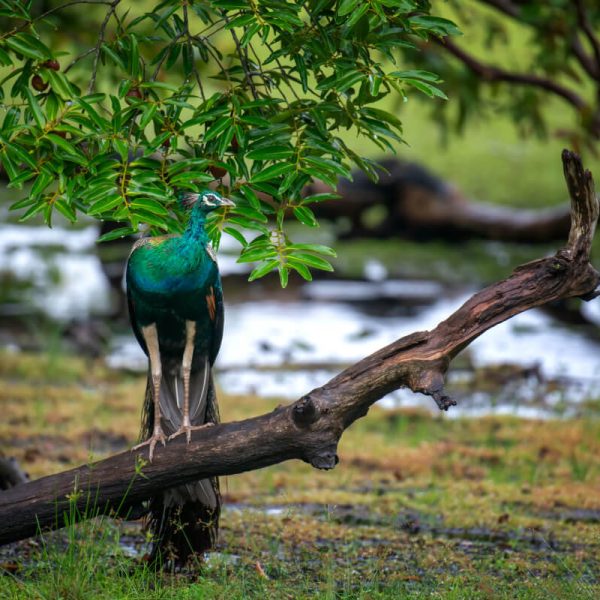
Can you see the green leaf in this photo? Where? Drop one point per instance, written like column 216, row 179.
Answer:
column 147, row 115
column 251, row 197
column 254, row 254
column 270, row 153
column 114, row 57
column 22, row 203
column 134, row 57
column 283, row 275
column 9, row 166
column 42, row 181
column 374, row 84
column 121, row 147
column 301, row 268
column 250, row 32
column 22, row 44
column 302, row 71
column 346, row 6
column 416, row 74
column 435, row 25
column 250, row 213
column 5, row 59
column 117, row 233
column 18, row 181
column 105, row 204
column 38, row 115
column 198, row 164
column 357, row 15
column 218, row 127
column 272, row 172
column 59, row 84
column 62, row 144
column 150, row 205
column 319, row 248
column 236, row 235
column 320, row 197
column 311, row 260
column 191, row 177
column 263, row 269
column 99, row 121
column 159, row 85
column 244, row 19
column 19, row 154
column 305, row 215
column 65, row 209
column 329, row 165
column 426, row 88
column 149, row 218
column 33, row 210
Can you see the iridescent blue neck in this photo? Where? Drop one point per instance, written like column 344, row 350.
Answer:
column 195, row 228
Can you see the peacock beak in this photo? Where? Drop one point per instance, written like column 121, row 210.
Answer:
column 226, row 202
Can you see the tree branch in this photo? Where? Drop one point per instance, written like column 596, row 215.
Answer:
column 190, row 48
column 587, row 63
column 310, row 428
column 29, row 22
column 109, row 13
column 591, row 67
column 491, row 74
column 587, row 28
column 244, row 60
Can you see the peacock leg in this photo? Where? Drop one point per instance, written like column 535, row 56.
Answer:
column 158, row 435
column 186, row 368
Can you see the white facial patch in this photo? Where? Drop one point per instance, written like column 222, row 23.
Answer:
column 210, row 200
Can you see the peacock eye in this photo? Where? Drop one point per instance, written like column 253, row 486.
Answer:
column 210, row 200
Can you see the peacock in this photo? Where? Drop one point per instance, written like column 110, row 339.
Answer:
column 176, row 311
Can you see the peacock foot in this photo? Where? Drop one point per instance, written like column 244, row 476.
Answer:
column 157, row 436
column 187, row 428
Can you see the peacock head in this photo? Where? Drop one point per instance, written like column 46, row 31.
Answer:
column 204, row 202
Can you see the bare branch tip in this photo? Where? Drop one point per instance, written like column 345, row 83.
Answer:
column 443, row 401
column 325, row 460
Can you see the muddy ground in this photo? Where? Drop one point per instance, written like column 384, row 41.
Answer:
column 419, row 506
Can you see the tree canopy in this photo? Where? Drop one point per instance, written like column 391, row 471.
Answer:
column 110, row 107
column 160, row 96
column 515, row 55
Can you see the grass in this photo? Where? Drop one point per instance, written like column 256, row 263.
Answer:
column 420, row 506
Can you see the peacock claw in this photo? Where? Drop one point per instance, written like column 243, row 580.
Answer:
column 187, row 428
column 157, row 436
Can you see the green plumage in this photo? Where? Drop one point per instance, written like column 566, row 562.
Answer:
column 176, row 312
column 169, row 280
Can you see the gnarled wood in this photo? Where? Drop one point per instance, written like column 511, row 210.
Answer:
column 310, row 428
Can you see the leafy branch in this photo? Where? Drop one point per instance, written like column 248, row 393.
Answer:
column 171, row 105
column 563, row 60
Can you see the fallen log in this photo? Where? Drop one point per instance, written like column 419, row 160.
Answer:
column 310, row 428
column 419, row 205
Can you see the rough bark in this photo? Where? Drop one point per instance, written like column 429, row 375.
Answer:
column 310, row 428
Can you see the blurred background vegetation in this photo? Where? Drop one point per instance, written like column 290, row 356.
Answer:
column 496, row 500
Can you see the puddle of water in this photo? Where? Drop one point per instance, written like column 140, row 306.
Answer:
column 65, row 275
column 286, row 348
